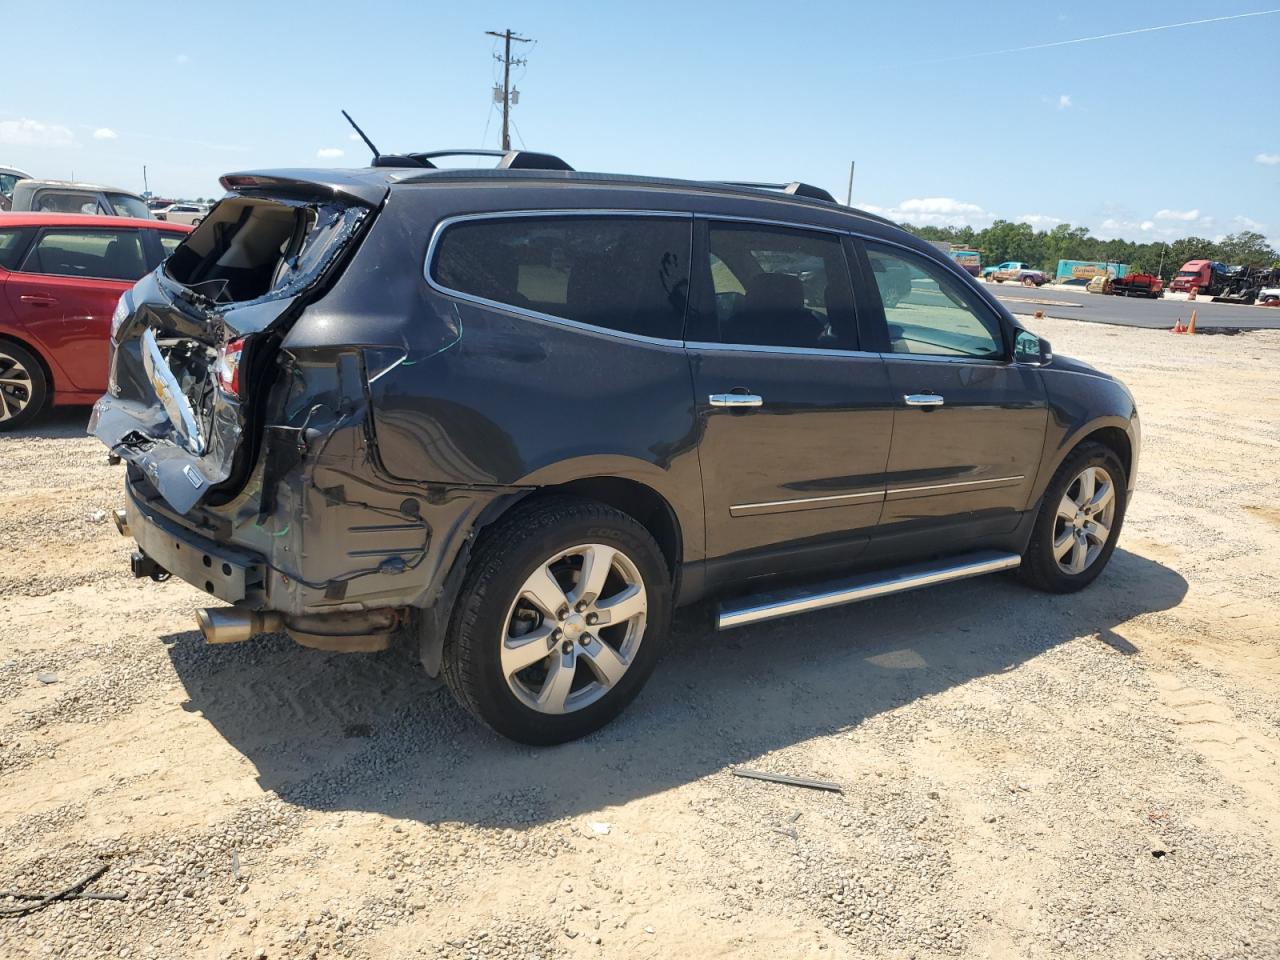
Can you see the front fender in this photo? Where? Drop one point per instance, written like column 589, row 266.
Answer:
column 1080, row 404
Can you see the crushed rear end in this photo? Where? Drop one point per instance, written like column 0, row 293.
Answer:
column 228, row 436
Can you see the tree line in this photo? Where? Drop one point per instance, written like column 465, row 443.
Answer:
column 1006, row 240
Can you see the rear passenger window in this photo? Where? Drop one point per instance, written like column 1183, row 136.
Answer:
column 780, row 287
column 104, row 254
column 629, row 274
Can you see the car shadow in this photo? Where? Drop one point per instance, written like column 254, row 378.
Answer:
column 56, row 423
column 374, row 733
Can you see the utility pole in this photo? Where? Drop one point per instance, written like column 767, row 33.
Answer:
column 848, row 200
column 506, row 36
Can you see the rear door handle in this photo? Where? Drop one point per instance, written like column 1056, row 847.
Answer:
column 923, row 400
column 39, row 300
column 736, row 400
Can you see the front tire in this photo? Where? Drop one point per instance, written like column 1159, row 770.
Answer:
column 23, row 387
column 561, row 619
column 1078, row 523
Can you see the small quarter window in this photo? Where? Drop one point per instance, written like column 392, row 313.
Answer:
column 780, row 287
column 629, row 274
column 12, row 242
column 929, row 312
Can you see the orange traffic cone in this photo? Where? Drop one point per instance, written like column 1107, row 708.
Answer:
column 1191, row 327
column 1178, row 327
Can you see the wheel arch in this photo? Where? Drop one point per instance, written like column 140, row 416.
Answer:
column 1118, row 434
column 640, row 501
column 34, row 349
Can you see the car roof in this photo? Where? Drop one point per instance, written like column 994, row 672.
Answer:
column 31, row 183
column 370, row 184
column 85, row 220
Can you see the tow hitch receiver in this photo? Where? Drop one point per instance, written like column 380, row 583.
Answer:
column 144, row 566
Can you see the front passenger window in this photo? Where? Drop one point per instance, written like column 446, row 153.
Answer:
column 928, row 312
column 781, row 287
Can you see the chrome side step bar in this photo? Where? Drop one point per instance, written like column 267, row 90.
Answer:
column 880, row 583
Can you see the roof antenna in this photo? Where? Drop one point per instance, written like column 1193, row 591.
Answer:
column 376, row 154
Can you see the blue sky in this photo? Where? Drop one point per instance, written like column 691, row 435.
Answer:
column 1147, row 136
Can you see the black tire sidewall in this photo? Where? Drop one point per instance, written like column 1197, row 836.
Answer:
column 491, row 591
column 39, row 386
column 1040, row 563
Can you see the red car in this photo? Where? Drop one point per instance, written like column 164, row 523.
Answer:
column 60, row 278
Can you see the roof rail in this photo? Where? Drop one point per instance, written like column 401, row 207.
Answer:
column 795, row 188
column 510, row 159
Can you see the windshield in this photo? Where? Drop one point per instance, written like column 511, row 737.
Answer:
column 1188, row 273
column 126, row 205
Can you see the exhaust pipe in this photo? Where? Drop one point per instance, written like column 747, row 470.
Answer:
column 233, row 625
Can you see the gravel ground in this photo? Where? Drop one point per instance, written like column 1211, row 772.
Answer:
column 1024, row 775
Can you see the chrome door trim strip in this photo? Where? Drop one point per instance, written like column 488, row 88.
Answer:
column 865, row 587
column 805, row 503
column 534, row 314
column 991, row 483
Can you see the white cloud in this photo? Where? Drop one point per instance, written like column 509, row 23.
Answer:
column 944, row 205
column 934, row 212
column 1039, row 220
column 354, row 136
column 33, row 133
column 1064, row 101
column 105, row 133
column 1167, row 214
column 1270, row 159
column 328, row 153
column 1146, row 225
column 1248, row 223
column 182, row 58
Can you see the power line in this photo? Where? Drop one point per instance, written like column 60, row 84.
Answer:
column 504, row 96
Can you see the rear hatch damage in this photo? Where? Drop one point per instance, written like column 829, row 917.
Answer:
column 194, row 344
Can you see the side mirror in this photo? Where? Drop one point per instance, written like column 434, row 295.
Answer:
column 1028, row 348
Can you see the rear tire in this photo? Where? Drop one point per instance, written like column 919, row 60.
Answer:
column 543, row 556
column 24, row 390
column 1085, row 499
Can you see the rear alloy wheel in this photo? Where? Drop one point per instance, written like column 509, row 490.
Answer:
column 23, row 388
column 1079, row 521
column 560, row 620
column 1028, row 282
column 583, row 607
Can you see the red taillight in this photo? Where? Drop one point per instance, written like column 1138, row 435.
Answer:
column 228, row 370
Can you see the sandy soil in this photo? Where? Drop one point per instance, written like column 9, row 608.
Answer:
column 1024, row 775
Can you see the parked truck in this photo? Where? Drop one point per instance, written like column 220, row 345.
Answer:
column 1203, row 276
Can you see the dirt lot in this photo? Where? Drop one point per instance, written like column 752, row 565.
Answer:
column 1024, row 775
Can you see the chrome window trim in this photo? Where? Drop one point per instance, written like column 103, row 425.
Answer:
column 804, row 503
column 535, row 314
column 692, row 215
column 706, row 345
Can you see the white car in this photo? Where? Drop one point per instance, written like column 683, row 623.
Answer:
column 189, row 213
column 8, row 177
column 1269, row 296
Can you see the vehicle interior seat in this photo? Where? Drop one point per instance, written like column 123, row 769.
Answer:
column 123, row 260
column 773, row 314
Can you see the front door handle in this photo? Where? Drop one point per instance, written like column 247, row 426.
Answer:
column 923, row 400
column 38, row 299
column 738, row 400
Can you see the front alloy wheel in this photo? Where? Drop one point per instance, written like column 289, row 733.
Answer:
column 1086, row 514
column 574, row 628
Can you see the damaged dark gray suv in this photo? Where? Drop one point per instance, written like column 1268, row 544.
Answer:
column 519, row 414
